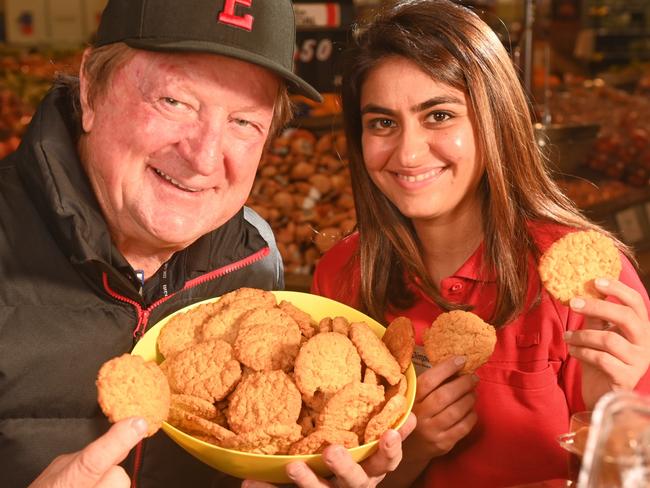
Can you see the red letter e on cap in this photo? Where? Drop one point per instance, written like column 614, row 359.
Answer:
column 228, row 15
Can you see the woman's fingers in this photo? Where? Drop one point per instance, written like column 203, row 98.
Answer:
column 304, row 477
column 256, row 484
column 388, row 455
column 444, row 396
column 588, row 344
column 451, row 415
column 436, row 375
column 348, row 473
column 626, row 295
column 601, row 314
column 408, row 426
column 606, row 362
column 443, row 438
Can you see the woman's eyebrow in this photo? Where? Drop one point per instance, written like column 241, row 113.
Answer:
column 432, row 102
column 427, row 104
column 376, row 109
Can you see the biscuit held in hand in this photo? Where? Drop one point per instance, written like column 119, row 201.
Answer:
column 459, row 333
column 568, row 268
column 129, row 386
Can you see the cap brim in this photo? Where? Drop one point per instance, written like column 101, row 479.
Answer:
column 294, row 83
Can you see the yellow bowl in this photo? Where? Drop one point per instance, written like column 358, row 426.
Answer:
column 265, row 467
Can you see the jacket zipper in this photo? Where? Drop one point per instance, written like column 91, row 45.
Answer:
column 145, row 313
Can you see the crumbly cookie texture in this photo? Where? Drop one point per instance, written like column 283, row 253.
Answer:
column 273, row 439
column 194, row 424
column 303, row 319
column 398, row 389
column 254, row 404
column 326, row 363
column 460, row 333
column 400, row 340
column 319, row 439
column 393, row 409
column 224, row 324
column 570, row 265
column 182, row 330
column 206, row 370
column 197, row 406
column 244, row 294
column 129, row 386
column 266, row 346
column 374, row 352
column 351, row 407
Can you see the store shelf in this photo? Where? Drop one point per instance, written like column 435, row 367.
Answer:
column 297, row 282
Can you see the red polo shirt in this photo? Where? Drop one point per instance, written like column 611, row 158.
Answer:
column 528, row 388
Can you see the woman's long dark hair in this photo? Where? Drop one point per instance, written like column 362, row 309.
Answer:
column 457, row 48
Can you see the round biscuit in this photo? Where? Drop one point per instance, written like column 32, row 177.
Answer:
column 129, row 386
column 207, row 370
column 262, row 399
column 326, row 363
column 244, row 293
column 352, row 407
column 182, row 330
column 267, row 339
column 460, row 333
column 224, row 323
column 570, row 265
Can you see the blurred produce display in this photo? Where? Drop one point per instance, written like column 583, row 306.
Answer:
column 304, row 107
column 621, row 150
column 25, row 77
column 303, row 190
column 586, row 193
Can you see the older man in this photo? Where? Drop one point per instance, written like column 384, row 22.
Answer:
column 124, row 203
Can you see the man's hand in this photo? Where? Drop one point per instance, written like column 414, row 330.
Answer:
column 97, row 464
column 347, row 473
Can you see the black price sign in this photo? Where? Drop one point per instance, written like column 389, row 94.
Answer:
column 318, row 57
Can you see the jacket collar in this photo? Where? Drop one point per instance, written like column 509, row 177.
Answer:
column 49, row 165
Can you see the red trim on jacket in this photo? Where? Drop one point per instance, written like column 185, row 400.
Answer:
column 144, row 314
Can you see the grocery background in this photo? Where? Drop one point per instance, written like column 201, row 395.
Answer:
column 585, row 64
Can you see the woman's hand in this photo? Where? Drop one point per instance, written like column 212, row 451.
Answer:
column 444, row 407
column 348, row 473
column 614, row 346
column 96, row 465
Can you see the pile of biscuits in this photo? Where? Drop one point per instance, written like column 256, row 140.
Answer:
column 249, row 374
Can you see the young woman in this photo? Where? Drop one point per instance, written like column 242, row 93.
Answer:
column 455, row 206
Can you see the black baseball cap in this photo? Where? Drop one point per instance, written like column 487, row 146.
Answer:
column 261, row 32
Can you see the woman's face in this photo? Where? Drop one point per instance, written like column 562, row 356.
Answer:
column 418, row 142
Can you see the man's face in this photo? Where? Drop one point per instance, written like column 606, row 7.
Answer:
column 172, row 147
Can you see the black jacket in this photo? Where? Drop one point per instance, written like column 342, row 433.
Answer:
column 69, row 301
